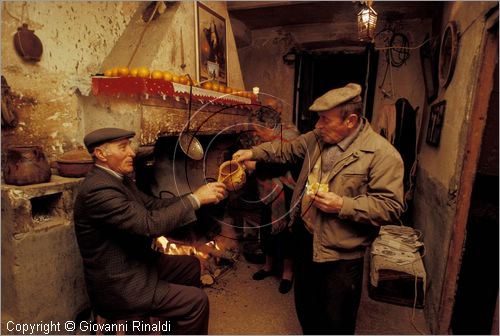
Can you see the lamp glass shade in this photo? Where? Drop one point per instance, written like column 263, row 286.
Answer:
column 367, row 21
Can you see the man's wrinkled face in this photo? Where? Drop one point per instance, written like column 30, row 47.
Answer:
column 118, row 156
column 333, row 128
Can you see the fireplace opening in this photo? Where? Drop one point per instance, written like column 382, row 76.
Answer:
column 167, row 172
column 45, row 208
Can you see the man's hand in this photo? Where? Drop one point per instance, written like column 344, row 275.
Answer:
column 243, row 155
column 327, row 201
column 212, row 192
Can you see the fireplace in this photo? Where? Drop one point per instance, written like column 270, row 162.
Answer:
column 167, row 172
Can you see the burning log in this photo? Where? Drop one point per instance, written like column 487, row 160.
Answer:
column 212, row 249
column 213, row 260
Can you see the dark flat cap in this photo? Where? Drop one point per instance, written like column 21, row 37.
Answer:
column 103, row 135
column 335, row 97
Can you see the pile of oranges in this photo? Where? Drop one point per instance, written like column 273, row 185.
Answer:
column 144, row 72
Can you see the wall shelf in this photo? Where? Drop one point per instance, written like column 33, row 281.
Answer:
column 148, row 88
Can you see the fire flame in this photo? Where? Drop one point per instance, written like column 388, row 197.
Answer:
column 163, row 245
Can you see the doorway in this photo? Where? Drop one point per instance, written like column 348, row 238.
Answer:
column 477, row 288
column 316, row 73
column 467, row 290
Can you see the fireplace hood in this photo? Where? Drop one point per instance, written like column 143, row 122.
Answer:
column 157, row 107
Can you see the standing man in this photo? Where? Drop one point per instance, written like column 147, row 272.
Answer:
column 115, row 223
column 351, row 182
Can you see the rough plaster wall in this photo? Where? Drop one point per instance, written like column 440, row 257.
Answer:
column 407, row 80
column 161, row 47
column 39, row 249
column 263, row 67
column 440, row 168
column 75, row 36
column 262, row 61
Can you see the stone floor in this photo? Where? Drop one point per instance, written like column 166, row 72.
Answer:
column 240, row 305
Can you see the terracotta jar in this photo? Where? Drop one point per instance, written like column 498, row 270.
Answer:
column 75, row 163
column 232, row 174
column 26, row 165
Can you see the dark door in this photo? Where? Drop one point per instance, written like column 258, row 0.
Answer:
column 317, row 73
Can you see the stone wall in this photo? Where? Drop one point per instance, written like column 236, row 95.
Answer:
column 76, row 37
column 42, row 274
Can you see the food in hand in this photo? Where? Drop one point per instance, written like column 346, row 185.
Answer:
column 312, row 189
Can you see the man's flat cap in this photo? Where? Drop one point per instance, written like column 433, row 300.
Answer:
column 347, row 94
column 103, row 135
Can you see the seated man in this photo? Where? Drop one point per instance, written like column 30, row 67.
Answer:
column 115, row 223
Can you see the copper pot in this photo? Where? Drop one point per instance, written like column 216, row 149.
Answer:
column 26, row 165
column 75, row 163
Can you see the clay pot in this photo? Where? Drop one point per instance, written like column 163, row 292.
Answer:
column 232, row 174
column 75, row 163
column 26, row 165
column 27, row 44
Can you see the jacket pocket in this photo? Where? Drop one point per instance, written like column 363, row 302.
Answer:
column 354, row 184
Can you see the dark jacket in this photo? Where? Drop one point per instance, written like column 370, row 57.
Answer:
column 114, row 224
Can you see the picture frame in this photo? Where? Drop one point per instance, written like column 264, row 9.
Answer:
column 211, row 45
column 435, row 125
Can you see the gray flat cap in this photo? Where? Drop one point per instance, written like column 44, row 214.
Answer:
column 335, row 97
column 103, row 135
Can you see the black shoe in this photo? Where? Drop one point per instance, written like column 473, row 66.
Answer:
column 261, row 274
column 285, row 286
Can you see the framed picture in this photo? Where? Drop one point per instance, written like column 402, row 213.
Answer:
column 436, row 120
column 211, row 45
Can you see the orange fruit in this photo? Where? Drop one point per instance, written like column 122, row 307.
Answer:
column 123, row 71
column 133, row 72
column 222, row 88
column 229, row 90
column 157, row 74
column 167, row 76
column 183, row 79
column 207, row 85
column 114, row 72
column 175, row 78
column 143, row 72
column 108, row 72
column 215, row 86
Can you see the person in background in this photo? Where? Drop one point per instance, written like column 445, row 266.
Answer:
column 275, row 185
column 115, row 224
column 350, row 184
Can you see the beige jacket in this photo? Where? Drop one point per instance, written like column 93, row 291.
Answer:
column 368, row 176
